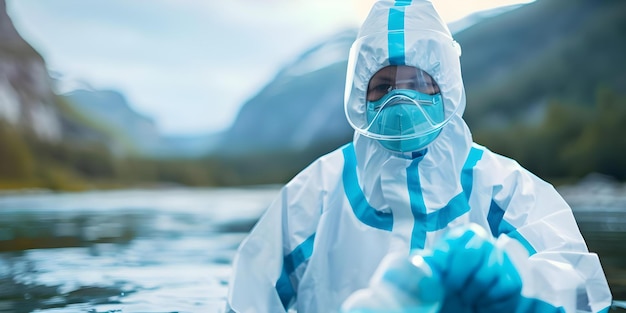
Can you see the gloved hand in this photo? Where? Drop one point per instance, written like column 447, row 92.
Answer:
column 477, row 276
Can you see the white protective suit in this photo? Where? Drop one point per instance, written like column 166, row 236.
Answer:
column 327, row 231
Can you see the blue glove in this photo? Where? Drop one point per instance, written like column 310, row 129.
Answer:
column 477, row 276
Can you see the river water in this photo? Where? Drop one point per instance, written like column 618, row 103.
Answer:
column 124, row 251
column 168, row 250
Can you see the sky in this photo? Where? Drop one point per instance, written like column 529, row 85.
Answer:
column 188, row 64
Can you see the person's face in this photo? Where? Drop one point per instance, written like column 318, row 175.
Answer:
column 400, row 77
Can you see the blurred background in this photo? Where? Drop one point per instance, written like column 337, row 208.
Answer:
column 140, row 141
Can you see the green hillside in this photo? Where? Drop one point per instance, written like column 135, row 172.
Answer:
column 550, row 49
column 546, row 85
column 27, row 162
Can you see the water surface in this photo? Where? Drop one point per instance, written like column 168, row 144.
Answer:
column 125, row 251
column 170, row 250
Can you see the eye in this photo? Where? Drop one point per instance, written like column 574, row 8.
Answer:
column 378, row 91
column 385, row 88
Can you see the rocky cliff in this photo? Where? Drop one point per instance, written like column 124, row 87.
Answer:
column 26, row 97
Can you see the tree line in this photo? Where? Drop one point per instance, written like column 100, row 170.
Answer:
column 572, row 141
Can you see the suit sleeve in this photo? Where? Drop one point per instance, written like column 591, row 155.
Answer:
column 558, row 268
column 268, row 263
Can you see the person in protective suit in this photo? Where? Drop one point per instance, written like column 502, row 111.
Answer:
column 412, row 173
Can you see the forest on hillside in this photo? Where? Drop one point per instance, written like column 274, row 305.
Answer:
column 571, row 142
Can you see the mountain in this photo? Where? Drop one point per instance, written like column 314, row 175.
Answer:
column 112, row 111
column 43, row 141
column 26, row 97
column 302, row 106
column 28, row 102
column 515, row 63
column 475, row 18
column 135, row 133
